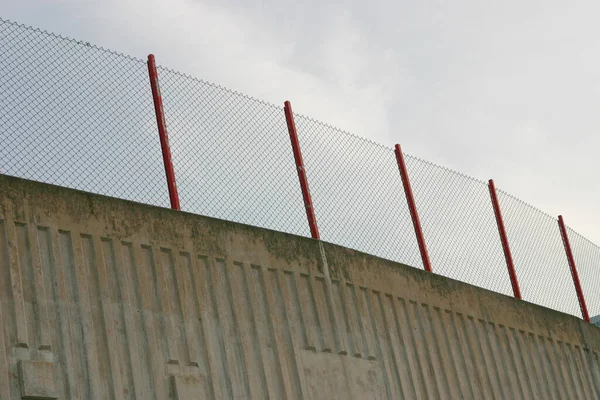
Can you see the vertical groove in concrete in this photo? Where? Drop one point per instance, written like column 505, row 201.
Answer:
column 361, row 297
column 297, row 321
column 59, row 295
column 345, row 333
column 457, row 344
column 594, row 363
column 231, row 327
column 319, row 291
column 492, row 359
column 290, row 330
column 5, row 385
column 434, row 353
column 221, row 384
column 535, row 369
column 416, row 362
column 585, row 373
column 175, row 292
column 96, row 388
column 6, row 293
column 154, row 346
column 571, row 352
column 185, row 297
column 125, row 273
column 384, row 346
column 196, row 267
column 159, row 260
column 482, row 372
column 308, row 312
column 334, row 309
column 272, row 371
column 555, row 361
column 213, row 318
column 513, row 368
column 392, row 336
column 103, row 335
column 425, row 348
column 7, row 311
column 246, row 330
column 78, row 355
column 508, row 383
column 357, row 329
column 443, row 363
column 568, row 373
column 16, row 285
column 405, row 363
column 524, row 360
column 25, row 262
column 41, row 300
column 379, row 350
column 551, row 378
column 112, row 319
column 442, row 334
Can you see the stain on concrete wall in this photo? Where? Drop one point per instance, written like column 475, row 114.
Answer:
column 106, row 299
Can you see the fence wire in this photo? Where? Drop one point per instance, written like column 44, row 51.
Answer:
column 357, row 192
column 232, row 155
column 76, row 115
column 539, row 256
column 587, row 260
column 459, row 226
column 80, row 116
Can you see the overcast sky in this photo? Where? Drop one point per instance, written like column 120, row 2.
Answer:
column 506, row 90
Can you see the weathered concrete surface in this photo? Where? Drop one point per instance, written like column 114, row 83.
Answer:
column 107, row 299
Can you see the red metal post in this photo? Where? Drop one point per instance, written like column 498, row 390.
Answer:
column 162, row 132
column 504, row 239
column 574, row 274
column 412, row 208
column 308, row 204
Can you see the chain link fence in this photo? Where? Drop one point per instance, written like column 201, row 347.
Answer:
column 80, row 116
column 357, row 194
column 459, row 226
column 76, row 115
column 539, row 256
column 587, row 259
column 231, row 155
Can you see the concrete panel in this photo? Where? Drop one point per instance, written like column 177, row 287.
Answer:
column 106, row 299
column 38, row 380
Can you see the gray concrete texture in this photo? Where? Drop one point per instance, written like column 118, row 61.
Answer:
column 107, row 299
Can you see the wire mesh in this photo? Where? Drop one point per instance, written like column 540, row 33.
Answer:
column 77, row 115
column 539, row 256
column 80, row 116
column 232, row 155
column 357, row 192
column 587, row 260
column 459, row 226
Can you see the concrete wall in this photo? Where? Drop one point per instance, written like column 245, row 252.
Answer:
column 107, row 299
